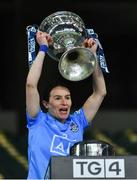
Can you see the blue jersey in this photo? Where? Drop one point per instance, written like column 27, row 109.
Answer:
column 48, row 137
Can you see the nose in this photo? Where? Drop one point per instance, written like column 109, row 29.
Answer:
column 64, row 101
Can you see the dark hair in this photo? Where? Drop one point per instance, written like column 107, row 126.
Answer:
column 47, row 90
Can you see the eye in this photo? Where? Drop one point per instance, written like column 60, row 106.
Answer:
column 57, row 98
column 68, row 97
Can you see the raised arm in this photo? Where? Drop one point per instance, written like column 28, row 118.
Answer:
column 32, row 94
column 94, row 101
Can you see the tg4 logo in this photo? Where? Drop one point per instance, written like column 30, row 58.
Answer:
column 98, row 168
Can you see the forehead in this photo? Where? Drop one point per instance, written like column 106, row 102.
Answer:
column 59, row 90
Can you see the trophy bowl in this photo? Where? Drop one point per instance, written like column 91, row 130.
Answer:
column 68, row 32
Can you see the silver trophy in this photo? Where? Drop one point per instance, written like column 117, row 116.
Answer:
column 68, row 31
column 92, row 148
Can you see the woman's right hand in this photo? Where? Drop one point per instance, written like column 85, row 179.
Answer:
column 43, row 38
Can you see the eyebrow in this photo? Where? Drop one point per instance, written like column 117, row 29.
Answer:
column 61, row 95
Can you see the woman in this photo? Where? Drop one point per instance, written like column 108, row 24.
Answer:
column 55, row 132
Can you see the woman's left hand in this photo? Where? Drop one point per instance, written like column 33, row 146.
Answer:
column 90, row 43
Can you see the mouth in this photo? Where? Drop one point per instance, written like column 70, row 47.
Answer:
column 63, row 110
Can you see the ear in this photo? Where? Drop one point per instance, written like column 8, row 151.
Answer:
column 45, row 104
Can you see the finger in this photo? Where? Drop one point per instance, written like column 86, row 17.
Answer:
column 92, row 43
column 49, row 39
column 85, row 42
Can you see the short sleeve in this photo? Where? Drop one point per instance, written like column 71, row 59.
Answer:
column 32, row 121
column 80, row 116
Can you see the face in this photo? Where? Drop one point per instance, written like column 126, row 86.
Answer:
column 59, row 103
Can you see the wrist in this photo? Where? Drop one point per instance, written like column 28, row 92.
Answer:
column 43, row 48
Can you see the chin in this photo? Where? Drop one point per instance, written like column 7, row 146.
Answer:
column 63, row 118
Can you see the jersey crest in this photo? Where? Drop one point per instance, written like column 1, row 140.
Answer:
column 74, row 127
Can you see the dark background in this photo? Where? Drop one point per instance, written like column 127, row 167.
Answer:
column 115, row 22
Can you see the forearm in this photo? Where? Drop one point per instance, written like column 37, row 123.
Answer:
column 35, row 70
column 99, row 86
